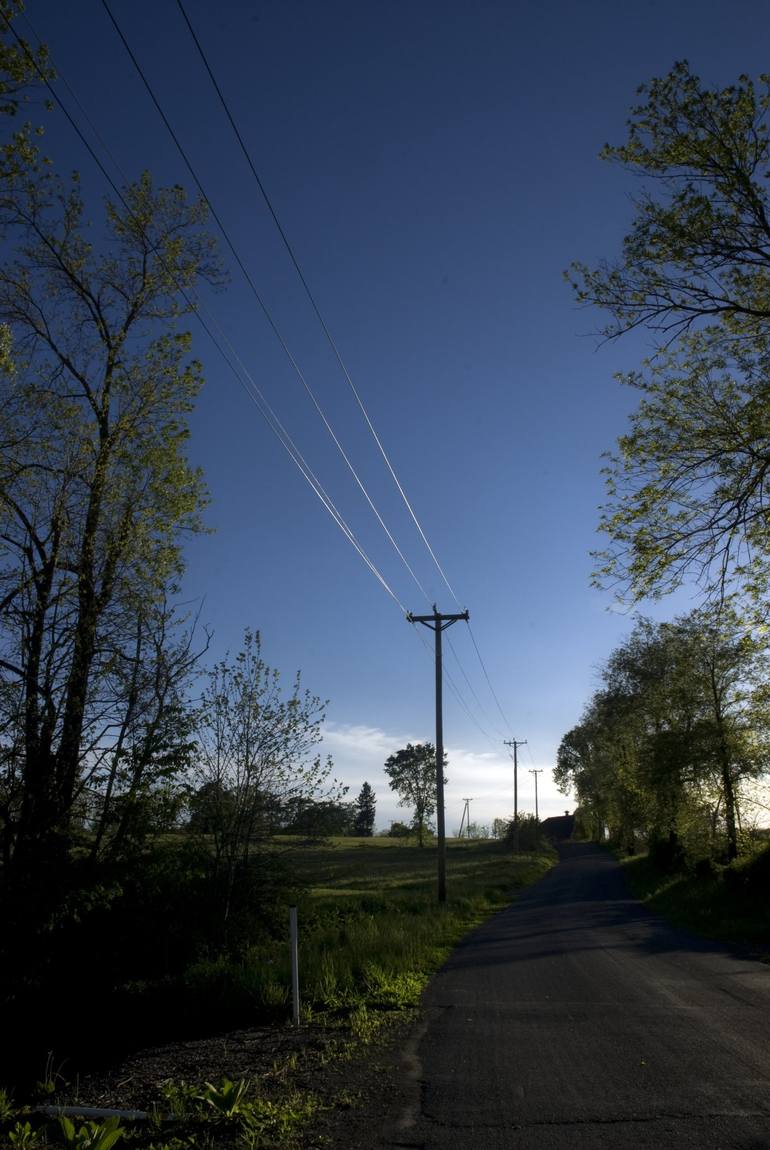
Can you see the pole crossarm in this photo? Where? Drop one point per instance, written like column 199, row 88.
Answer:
column 438, row 623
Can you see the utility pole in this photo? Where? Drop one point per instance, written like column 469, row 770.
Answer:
column 465, row 821
column 515, row 744
column 536, row 773
column 438, row 623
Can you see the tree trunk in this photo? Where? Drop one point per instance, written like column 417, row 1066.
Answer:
column 725, row 770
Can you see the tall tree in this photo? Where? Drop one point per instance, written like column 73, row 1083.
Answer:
column 688, row 486
column 256, row 755
column 365, row 811
column 95, row 488
column 682, row 720
column 412, row 774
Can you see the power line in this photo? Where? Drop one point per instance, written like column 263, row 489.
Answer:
column 259, row 399
column 277, row 331
column 310, row 296
column 481, row 706
column 456, row 691
column 256, row 394
column 255, row 291
column 489, row 681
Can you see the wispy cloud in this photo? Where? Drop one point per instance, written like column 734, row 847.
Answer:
column 486, row 777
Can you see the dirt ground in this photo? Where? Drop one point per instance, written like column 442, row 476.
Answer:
column 355, row 1083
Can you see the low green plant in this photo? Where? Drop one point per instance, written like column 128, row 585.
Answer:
column 364, row 1025
column 7, row 1108
column 266, row 1124
column 23, row 1134
column 91, row 1135
column 226, row 1100
column 182, row 1099
column 52, row 1077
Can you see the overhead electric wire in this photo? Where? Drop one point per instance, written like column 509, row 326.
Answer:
column 309, row 294
column 256, row 394
column 486, row 676
column 255, row 291
column 455, row 690
column 257, row 397
column 318, row 314
column 481, row 706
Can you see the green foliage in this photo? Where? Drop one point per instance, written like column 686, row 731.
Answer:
column 412, row 774
column 316, row 817
column 95, row 491
column 225, row 1100
column 23, row 1134
column 91, row 1135
column 688, row 484
column 696, row 246
column 528, row 836
column 399, row 830
column 728, row 903
column 364, row 812
column 255, row 751
column 182, row 1098
column 662, row 749
column 371, row 930
column 259, row 1122
column 7, row 1109
column 267, row 1124
column 23, row 68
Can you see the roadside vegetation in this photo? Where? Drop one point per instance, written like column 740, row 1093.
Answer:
column 371, row 934
column 672, row 752
column 728, row 903
column 159, row 810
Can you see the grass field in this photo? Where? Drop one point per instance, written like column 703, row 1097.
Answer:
column 371, row 929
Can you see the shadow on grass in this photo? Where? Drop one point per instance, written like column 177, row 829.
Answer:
column 730, row 905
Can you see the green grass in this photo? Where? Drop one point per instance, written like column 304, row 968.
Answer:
column 371, row 929
column 730, row 905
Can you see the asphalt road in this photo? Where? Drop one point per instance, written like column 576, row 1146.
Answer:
column 576, row 1019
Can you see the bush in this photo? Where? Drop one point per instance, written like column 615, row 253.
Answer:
column 667, row 854
column 531, row 837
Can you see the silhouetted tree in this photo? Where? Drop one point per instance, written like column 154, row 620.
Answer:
column 688, row 485
column 412, row 774
column 365, row 810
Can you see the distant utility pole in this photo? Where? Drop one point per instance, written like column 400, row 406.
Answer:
column 466, row 819
column 536, row 773
column 438, row 623
column 515, row 744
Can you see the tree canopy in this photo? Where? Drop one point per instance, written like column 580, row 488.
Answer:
column 95, row 488
column 688, row 484
column 412, row 774
column 664, row 747
column 365, row 807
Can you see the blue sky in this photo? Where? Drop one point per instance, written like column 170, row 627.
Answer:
column 435, row 167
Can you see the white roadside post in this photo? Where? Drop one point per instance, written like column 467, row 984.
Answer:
column 294, row 965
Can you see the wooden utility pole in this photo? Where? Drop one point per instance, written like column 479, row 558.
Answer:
column 536, row 773
column 515, row 744
column 438, row 623
column 465, row 821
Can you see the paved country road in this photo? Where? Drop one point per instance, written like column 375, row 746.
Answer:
column 576, row 1019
